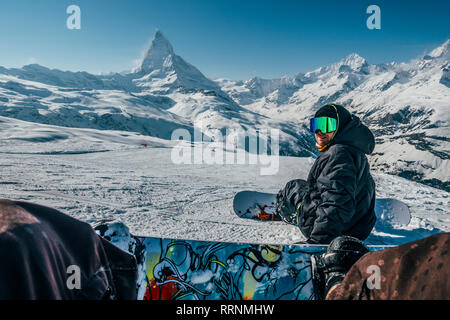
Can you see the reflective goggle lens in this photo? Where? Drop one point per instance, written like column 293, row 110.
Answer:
column 324, row 124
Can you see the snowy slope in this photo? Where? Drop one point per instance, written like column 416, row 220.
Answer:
column 87, row 108
column 99, row 174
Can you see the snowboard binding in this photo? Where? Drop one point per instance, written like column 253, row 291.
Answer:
column 330, row 268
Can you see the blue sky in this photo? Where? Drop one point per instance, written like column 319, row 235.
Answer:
column 235, row 39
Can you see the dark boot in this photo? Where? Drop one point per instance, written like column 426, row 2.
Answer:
column 330, row 268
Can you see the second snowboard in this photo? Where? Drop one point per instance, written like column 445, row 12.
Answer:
column 261, row 206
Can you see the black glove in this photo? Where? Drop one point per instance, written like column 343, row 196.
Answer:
column 330, row 268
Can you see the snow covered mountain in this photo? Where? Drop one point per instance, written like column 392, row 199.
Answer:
column 82, row 100
column 201, row 100
column 405, row 104
column 162, row 68
column 163, row 94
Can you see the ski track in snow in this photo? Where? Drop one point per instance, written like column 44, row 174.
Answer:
column 155, row 197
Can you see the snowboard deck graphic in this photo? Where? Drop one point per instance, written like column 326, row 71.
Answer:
column 171, row 269
column 262, row 206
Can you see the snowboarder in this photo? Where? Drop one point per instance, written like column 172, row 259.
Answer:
column 338, row 197
column 416, row 270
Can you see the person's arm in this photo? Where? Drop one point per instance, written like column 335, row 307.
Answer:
column 337, row 185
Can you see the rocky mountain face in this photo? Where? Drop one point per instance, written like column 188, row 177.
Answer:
column 405, row 104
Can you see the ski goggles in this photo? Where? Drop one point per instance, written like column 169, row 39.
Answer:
column 324, row 124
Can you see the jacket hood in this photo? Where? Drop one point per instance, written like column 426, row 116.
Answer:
column 355, row 133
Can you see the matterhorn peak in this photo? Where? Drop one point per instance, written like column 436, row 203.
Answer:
column 157, row 55
column 161, row 67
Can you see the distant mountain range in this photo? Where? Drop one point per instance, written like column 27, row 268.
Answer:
column 405, row 104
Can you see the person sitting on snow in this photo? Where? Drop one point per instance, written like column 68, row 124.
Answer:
column 338, row 197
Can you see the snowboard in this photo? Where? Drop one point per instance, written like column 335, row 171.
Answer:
column 177, row 269
column 262, row 206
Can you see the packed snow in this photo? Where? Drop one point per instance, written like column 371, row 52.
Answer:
column 94, row 175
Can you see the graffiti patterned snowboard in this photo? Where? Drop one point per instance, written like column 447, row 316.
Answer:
column 172, row 269
column 261, row 206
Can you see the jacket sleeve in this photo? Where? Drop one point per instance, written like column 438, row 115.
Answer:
column 337, row 187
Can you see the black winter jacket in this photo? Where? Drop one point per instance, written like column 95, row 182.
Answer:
column 340, row 195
